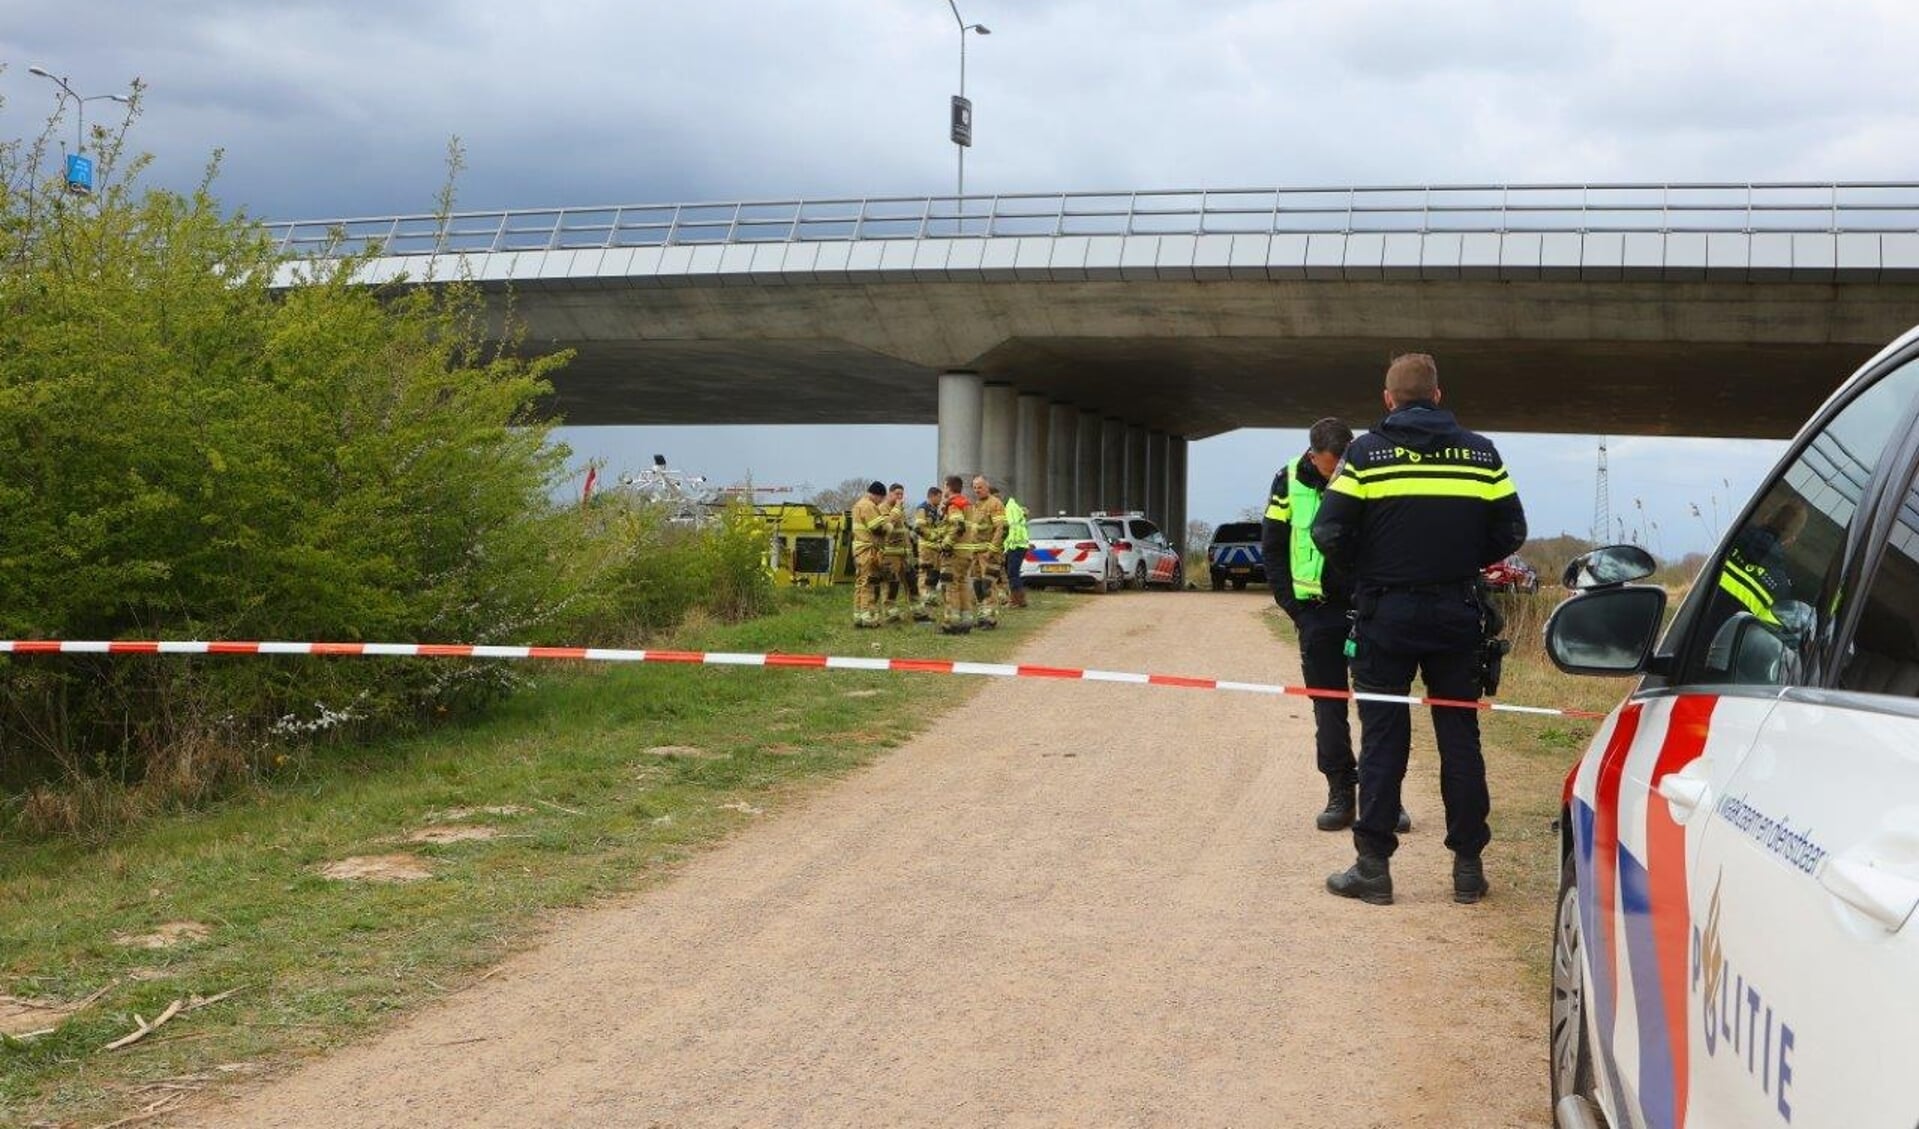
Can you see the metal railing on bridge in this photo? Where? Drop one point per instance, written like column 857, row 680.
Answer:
column 1834, row 208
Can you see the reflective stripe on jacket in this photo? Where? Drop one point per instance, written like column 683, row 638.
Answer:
column 868, row 521
column 1419, row 500
column 1750, row 583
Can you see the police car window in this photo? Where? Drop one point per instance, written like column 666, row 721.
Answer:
column 1114, row 530
column 1145, row 529
column 1884, row 655
column 1769, row 586
column 1058, row 531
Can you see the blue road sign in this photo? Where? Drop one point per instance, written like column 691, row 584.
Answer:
column 79, row 173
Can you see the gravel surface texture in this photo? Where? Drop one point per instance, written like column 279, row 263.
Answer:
column 1065, row 904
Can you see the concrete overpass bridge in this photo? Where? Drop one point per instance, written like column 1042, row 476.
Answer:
column 1072, row 344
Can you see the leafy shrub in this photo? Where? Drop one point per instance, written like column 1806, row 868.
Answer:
column 189, row 451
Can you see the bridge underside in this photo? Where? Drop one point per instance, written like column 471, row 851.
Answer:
column 1196, row 358
column 1084, row 393
column 1202, row 387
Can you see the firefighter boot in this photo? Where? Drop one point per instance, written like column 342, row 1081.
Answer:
column 1341, row 805
column 1405, row 821
column 1469, row 879
column 1369, row 879
column 1019, row 597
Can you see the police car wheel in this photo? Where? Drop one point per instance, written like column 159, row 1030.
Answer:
column 1571, row 1063
column 1219, row 582
column 1239, row 584
column 1137, row 582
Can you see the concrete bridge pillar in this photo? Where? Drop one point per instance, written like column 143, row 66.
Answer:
column 999, row 410
column 1112, row 464
column 960, row 406
column 1176, row 511
column 1086, row 473
column 1062, row 450
column 1029, row 453
column 1134, row 496
column 1159, row 480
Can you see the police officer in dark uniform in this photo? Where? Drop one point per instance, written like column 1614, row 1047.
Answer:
column 1316, row 598
column 1417, row 508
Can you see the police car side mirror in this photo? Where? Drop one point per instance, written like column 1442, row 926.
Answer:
column 1607, row 631
column 1613, row 564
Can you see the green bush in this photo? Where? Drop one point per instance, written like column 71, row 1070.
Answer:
column 188, row 451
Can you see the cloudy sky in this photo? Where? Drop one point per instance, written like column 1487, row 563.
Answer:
column 329, row 108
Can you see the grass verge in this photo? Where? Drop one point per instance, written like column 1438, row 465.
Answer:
column 602, row 779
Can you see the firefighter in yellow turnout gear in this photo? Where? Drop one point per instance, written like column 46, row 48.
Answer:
column 896, row 556
column 988, row 533
column 957, row 549
column 869, row 525
column 925, row 524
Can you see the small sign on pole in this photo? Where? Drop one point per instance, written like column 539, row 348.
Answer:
column 962, row 121
column 79, row 174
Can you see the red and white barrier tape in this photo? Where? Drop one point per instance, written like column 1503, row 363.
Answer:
column 724, row 658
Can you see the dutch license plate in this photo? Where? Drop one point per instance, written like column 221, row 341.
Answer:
column 1055, row 568
column 1239, row 571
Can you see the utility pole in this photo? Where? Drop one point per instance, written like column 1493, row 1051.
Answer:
column 962, row 120
column 1602, row 499
column 79, row 169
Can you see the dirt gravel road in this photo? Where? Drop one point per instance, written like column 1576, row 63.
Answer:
column 1109, row 913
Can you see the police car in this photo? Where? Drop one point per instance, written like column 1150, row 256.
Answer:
column 1736, row 942
column 1234, row 556
column 1071, row 552
column 1145, row 556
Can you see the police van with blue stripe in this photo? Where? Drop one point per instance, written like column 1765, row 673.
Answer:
column 1234, row 557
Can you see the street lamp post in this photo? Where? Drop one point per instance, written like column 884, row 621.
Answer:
column 79, row 167
column 963, row 109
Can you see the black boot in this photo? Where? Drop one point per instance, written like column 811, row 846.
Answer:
column 1369, row 879
column 1405, row 821
column 1341, row 807
column 1469, row 879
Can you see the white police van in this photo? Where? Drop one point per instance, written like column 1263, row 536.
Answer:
column 1736, row 943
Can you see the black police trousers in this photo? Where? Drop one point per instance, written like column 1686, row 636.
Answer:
column 1435, row 633
column 1322, row 663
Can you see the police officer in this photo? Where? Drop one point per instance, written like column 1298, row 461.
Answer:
column 1417, row 508
column 869, row 525
column 1754, row 574
column 1018, row 540
column 1316, row 598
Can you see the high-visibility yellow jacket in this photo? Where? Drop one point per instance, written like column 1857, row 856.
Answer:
column 1017, row 536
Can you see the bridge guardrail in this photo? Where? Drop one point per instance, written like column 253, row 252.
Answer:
column 1828, row 208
